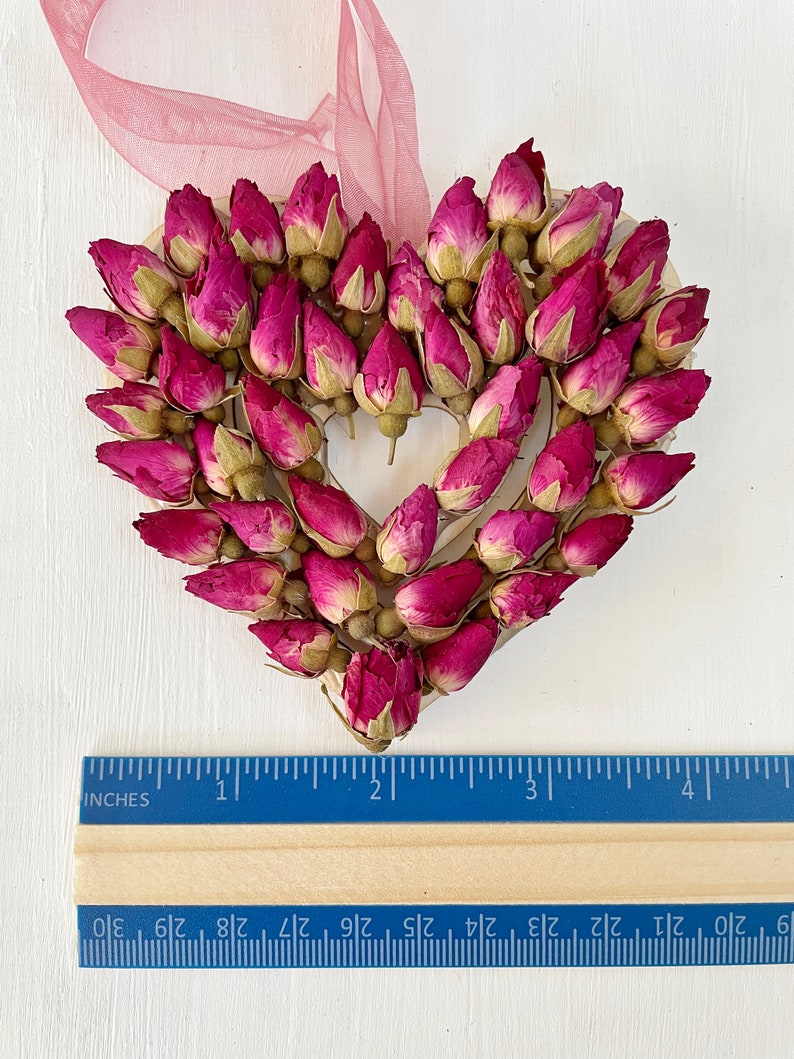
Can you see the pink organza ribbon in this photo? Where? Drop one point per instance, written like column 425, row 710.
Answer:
column 176, row 137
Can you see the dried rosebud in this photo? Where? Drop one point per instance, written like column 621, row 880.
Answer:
column 582, row 226
column 134, row 410
column 452, row 663
column 382, row 691
column 251, row 586
column 287, row 434
column 135, row 278
column 520, row 599
column 411, row 291
column 331, row 356
column 563, row 470
column 640, row 479
column 452, row 359
column 190, row 225
column 389, row 384
column 338, row 588
column 275, row 344
column 568, row 322
column 229, row 461
column 498, row 312
column 470, row 476
column 507, row 406
column 592, row 543
column 328, row 516
column 254, row 225
column 218, row 301
column 594, row 381
column 520, row 195
column 303, row 647
column 432, row 604
column 190, row 536
column 635, row 269
column 674, row 324
column 458, row 244
column 510, row 538
column 189, row 379
column 313, row 219
column 264, row 526
column 124, row 348
column 162, row 470
column 406, row 541
column 359, row 280
column 651, row 407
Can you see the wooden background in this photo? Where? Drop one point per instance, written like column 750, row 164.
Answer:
column 683, row 644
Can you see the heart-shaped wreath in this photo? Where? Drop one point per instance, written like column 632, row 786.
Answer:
column 237, row 342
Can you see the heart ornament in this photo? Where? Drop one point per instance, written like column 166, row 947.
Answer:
column 544, row 335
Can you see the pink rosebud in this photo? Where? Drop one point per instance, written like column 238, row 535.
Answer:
column 328, row 516
column 134, row 409
column 470, row 476
column 264, row 526
column 162, row 470
column 411, row 291
column 124, row 348
column 674, row 324
column 190, row 225
column 135, row 278
column 359, row 280
column 520, row 194
column 594, row 381
column 432, row 604
column 498, row 313
column 640, row 479
column 287, row 434
column 452, row 360
column 635, row 269
column 592, row 543
column 520, row 599
column 563, row 470
column 510, row 538
column 229, row 461
column 582, row 226
column 313, row 219
column 408, row 536
column 300, row 646
column 507, row 406
column 254, row 226
column 389, row 384
column 189, row 536
column 567, row 323
column 331, row 356
column 252, row 586
column 275, row 346
column 382, row 691
column 458, row 244
column 651, row 407
column 189, row 379
column 338, row 588
column 452, row 663
column 218, row 301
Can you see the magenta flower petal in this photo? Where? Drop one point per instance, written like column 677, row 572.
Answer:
column 187, row 535
column 313, row 218
column 300, row 646
column 390, row 379
column 568, row 322
column 498, row 312
column 635, row 269
column 506, row 408
column 162, row 470
column 519, row 190
column 520, row 599
column 126, row 269
column 452, row 360
column 328, row 516
column 510, row 538
column 254, row 225
column 275, row 344
column 411, row 291
column 190, row 225
column 218, row 301
column 583, row 226
column 593, row 382
column 331, row 356
column 406, row 541
column 338, row 587
column 264, row 526
column 286, row 433
column 640, row 479
column 673, row 325
column 134, row 409
column 458, row 243
column 592, row 543
column 470, row 476
column 435, row 601
column 651, row 407
column 124, row 348
column 252, row 586
column 189, row 379
column 452, row 663
column 359, row 280
column 382, row 691
column 563, row 471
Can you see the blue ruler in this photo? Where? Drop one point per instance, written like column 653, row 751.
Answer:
column 450, row 788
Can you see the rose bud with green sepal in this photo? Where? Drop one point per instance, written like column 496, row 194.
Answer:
column 188, row 378
column 359, row 280
column 190, row 225
column 255, row 230
column 451, row 359
column 331, row 360
column 563, row 470
column 590, row 545
column 567, row 323
column 218, row 301
column 287, row 434
column 229, row 461
column 406, row 541
column 342, row 591
column 458, row 242
column 506, row 408
column 511, row 538
column 519, row 201
column 640, row 479
column 452, row 663
column 498, row 312
column 582, row 226
column 469, row 477
column 411, row 291
column 672, row 327
column 265, row 526
column 389, row 384
column 189, row 536
column 162, row 470
column 432, row 604
column 276, row 346
column 136, row 410
column 306, row 648
column 651, row 407
column 590, row 384
column 250, row 586
column 635, row 269
column 523, row 598
column 138, row 281
column 382, row 692
column 125, row 348
column 328, row 516
column 315, row 225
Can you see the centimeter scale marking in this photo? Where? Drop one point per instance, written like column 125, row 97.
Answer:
column 296, row 790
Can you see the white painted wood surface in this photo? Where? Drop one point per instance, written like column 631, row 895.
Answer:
column 683, row 644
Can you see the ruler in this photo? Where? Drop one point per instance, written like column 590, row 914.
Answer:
column 454, row 860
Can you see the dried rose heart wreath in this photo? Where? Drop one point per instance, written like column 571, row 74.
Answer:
column 258, row 326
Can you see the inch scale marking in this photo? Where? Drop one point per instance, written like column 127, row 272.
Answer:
column 459, row 788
